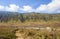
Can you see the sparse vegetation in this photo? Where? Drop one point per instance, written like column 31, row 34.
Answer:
column 39, row 34
column 9, row 21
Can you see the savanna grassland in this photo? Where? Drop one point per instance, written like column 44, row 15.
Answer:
column 11, row 21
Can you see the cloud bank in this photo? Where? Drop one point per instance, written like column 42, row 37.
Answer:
column 27, row 9
column 52, row 7
column 11, row 7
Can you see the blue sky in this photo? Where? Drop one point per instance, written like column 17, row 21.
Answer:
column 43, row 6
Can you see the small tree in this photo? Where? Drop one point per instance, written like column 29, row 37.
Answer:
column 22, row 18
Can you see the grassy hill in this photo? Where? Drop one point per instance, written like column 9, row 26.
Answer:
column 10, row 20
column 29, row 19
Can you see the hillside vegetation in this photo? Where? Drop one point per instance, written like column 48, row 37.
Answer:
column 29, row 19
column 9, row 21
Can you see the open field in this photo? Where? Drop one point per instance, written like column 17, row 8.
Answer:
column 29, row 26
column 32, row 30
column 30, row 33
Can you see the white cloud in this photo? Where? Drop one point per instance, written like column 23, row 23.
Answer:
column 41, row 8
column 52, row 7
column 1, row 7
column 12, row 7
column 27, row 8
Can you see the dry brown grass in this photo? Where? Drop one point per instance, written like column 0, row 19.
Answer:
column 30, row 23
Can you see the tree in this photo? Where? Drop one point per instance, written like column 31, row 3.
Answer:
column 22, row 18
